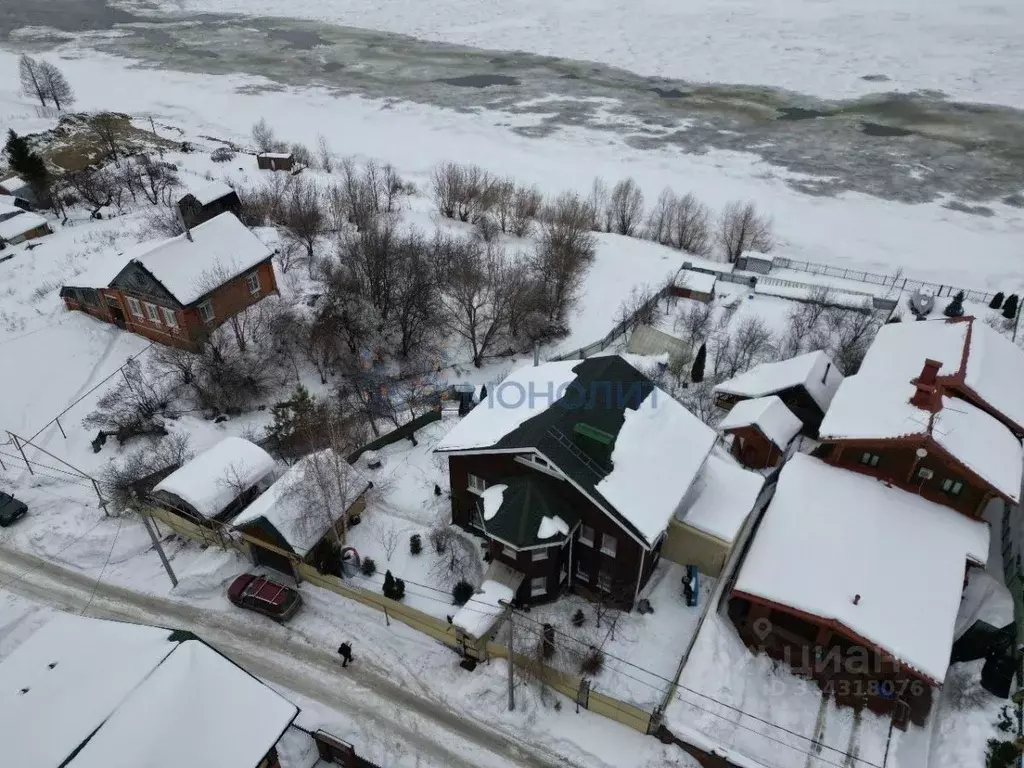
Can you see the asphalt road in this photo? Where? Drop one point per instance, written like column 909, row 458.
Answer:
column 359, row 691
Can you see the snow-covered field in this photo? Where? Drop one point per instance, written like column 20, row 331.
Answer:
column 964, row 49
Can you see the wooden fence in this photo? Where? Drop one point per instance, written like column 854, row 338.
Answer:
column 569, row 685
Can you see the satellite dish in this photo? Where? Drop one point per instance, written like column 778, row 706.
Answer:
column 921, row 453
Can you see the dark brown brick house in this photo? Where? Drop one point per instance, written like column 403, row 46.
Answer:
column 176, row 291
column 573, row 470
column 759, row 431
column 207, row 201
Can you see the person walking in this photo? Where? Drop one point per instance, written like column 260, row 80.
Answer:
column 345, row 651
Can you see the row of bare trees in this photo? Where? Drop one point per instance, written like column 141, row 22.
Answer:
column 43, row 80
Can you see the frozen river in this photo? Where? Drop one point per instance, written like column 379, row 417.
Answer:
column 908, row 147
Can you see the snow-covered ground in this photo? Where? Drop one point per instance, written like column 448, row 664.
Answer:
column 829, row 48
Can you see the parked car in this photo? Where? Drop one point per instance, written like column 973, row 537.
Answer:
column 260, row 594
column 10, row 509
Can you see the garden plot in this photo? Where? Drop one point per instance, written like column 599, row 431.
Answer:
column 641, row 652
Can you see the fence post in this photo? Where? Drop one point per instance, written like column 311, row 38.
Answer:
column 63, row 434
column 21, row 451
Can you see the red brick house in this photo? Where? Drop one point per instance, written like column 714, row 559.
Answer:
column 176, row 291
column 759, row 431
column 573, row 471
column 936, row 409
column 805, row 383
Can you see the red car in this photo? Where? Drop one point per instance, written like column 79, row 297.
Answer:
column 260, row 594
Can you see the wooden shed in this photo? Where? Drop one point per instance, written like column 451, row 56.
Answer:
column 759, row 431
column 208, row 201
column 275, row 161
column 690, row 284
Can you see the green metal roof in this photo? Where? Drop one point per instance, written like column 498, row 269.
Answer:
column 527, row 500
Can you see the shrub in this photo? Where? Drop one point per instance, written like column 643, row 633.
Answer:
column 593, row 662
column 399, row 589
column 579, row 618
column 997, row 301
column 1010, row 306
column 389, row 585
column 441, row 539
column 955, row 308
column 548, row 647
column 1001, row 754
column 415, row 544
column 462, row 591
column 222, row 155
column 368, row 567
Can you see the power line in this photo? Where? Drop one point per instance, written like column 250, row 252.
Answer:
column 43, row 563
column 103, row 570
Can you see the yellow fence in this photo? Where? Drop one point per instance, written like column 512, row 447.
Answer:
column 688, row 546
column 566, row 684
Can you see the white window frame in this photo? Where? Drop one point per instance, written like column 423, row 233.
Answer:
column 609, row 545
column 536, row 590
column 475, row 484
column 581, row 573
column 952, row 487
column 510, row 553
column 252, row 280
column 539, row 554
column 583, row 540
column 153, row 313
column 170, row 319
column 604, row 581
column 869, row 459
column 206, row 311
column 540, row 464
column 135, row 306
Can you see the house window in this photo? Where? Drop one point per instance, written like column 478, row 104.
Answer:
column 952, row 487
column 581, row 573
column 477, row 484
column 587, row 535
column 604, row 582
column 540, row 554
column 538, row 586
column 925, row 474
column 169, row 317
column 510, row 553
column 608, row 544
column 206, row 311
column 253, row 281
column 153, row 312
column 870, row 459
column 135, row 307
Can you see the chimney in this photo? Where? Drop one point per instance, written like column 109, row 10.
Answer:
column 856, row 599
column 536, row 354
column 926, row 394
column 181, row 218
column 824, row 376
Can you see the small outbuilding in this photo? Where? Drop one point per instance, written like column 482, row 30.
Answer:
column 301, row 516
column 275, row 161
column 805, row 383
column 23, row 226
column 218, row 483
column 699, row 286
column 19, row 189
column 207, row 201
column 759, row 431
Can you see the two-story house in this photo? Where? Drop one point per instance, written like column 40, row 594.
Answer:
column 573, row 471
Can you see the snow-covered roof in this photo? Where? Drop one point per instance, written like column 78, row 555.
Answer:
column 830, row 534
column 276, row 155
column 815, row 371
column 287, row 506
column 211, row 480
column 220, row 249
column 210, row 191
column 484, row 609
column 19, row 225
column 769, row 414
column 658, row 453
column 721, row 498
column 90, row 693
column 12, row 184
column 699, row 282
column 995, row 368
column 523, row 394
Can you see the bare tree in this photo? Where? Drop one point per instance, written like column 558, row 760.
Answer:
column 97, row 187
column 690, row 227
column 694, row 322
column 304, row 217
column 741, row 228
column 627, row 207
column 803, row 322
column 107, row 129
column 526, row 204
column 458, row 561
column 123, row 480
column 263, row 137
column 639, row 308
column 156, row 179
column 751, row 343
column 480, row 284
column 387, row 536
column 461, row 191
column 324, row 155
column 300, row 154
column 562, row 257
column 164, row 221
column 134, row 407
column 659, row 222
column 56, row 85
column 32, row 82
column 600, row 209
column 846, row 334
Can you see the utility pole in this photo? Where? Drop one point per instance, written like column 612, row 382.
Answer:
column 21, row 451
column 509, row 613
column 159, row 549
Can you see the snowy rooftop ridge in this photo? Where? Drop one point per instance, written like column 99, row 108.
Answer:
column 722, row 497
column 285, row 507
column 220, row 249
column 20, row 224
column 769, row 414
column 815, row 371
column 818, row 546
column 210, row 481
column 210, row 191
column 91, row 693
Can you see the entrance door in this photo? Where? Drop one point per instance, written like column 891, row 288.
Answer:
column 278, row 562
column 116, row 312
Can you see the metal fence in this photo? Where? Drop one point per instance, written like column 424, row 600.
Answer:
column 896, row 281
